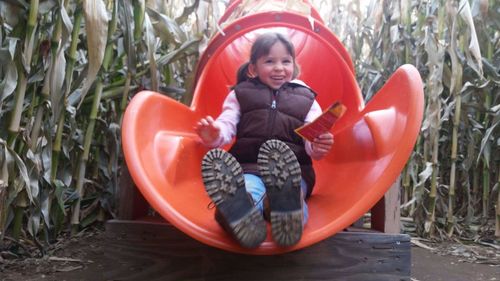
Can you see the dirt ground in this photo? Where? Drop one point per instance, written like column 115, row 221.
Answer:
column 83, row 258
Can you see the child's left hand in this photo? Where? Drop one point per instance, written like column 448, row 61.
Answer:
column 322, row 145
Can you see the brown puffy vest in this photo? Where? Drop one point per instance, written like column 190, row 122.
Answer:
column 272, row 114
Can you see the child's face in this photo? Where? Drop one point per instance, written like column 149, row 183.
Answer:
column 275, row 68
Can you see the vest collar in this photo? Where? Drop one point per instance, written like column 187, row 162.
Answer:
column 294, row 81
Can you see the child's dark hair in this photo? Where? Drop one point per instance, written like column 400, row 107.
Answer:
column 261, row 47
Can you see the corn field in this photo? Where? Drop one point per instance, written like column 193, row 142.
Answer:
column 450, row 185
column 69, row 67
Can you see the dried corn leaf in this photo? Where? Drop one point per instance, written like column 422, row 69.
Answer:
column 426, row 173
column 377, row 16
column 96, row 25
column 202, row 17
column 9, row 80
column 487, row 140
column 34, row 223
column 3, row 204
column 465, row 13
column 202, row 25
column 456, row 67
column 57, row 69
column 128, row 35
column 151, row 44
column 33, row 167
column 57, row 74
column 14, row 165
column 67, row 27
column 28, row 49
column 215, row 16
column 187, row 11
column 247, row 7
column 9, row 12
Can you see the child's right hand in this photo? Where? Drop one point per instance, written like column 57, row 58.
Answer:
column 321, row 145
column 207, row 130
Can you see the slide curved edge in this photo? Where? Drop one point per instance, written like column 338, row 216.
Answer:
column 271, row 19
column 144, row 103
column 404, row 85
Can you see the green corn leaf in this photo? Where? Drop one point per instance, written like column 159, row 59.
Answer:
column 167, row 29
column 177, row 53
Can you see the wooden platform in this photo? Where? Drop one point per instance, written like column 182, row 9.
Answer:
column 151, row 249
column 148, row 248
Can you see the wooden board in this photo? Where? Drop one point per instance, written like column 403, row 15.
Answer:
column 385, row 215
column 131, row 203
column 155, row 250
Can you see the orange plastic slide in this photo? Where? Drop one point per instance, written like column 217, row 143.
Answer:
column 372, row 142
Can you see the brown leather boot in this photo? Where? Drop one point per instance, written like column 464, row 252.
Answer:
column 236, row 213
column 281, row 174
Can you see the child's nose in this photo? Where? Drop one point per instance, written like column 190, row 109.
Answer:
column 278, row 66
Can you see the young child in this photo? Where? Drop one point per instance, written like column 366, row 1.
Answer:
column 268, row 171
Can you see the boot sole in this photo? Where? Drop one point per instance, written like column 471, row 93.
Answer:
column 225, row 184
column 281, row 174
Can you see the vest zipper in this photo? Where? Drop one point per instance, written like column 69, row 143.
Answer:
column 272, row 117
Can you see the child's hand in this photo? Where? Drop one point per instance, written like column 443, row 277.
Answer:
column 207, row 130
column 322, row 145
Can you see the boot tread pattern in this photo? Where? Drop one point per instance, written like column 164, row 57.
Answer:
column 225, row 184
column 281, row 174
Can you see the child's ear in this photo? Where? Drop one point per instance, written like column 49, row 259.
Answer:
column 251, row 73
